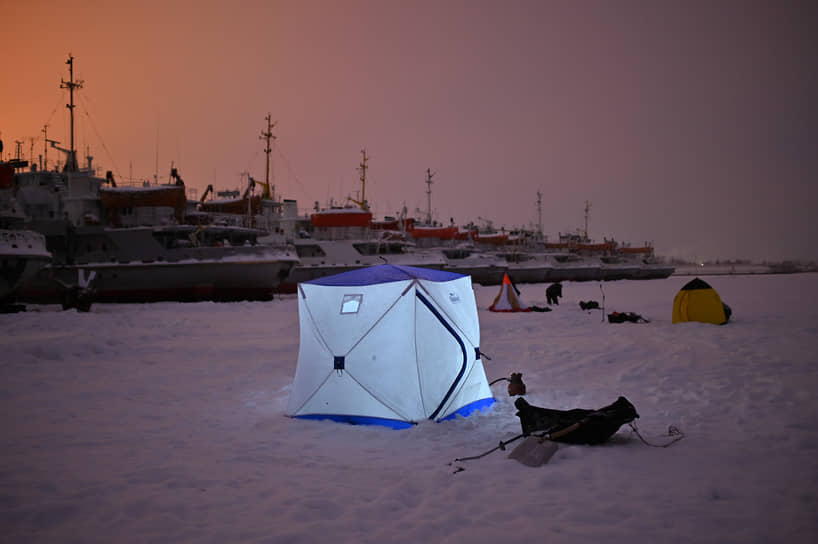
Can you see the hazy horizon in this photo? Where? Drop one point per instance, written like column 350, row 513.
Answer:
column 691, row 126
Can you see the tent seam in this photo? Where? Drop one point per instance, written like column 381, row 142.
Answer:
column 452, row 321
column 377, row 398
column 451, row 330
column 360, row 339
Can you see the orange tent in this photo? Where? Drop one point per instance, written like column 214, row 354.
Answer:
column 507, row 299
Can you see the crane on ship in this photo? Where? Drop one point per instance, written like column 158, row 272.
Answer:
column 251, row 185
column 68, row 152
column 265, row 188
column 207, row 191
column 174, row 175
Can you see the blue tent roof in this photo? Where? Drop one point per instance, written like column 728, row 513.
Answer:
column 384, row 273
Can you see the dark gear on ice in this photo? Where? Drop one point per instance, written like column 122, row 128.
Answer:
column 577, row 426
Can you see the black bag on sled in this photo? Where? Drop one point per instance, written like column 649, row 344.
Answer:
column 590, row 426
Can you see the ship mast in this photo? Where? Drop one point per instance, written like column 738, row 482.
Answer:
column 267, row 136
column 429, row 176
column 71, row 163
column 362, row 167
column 539, row 213
column 587, row 209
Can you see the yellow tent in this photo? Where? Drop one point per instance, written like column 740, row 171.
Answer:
column 697, row 301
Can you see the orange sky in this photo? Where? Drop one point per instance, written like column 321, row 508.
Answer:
column 692, row 125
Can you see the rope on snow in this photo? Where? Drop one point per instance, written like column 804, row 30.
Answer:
column 672, row 431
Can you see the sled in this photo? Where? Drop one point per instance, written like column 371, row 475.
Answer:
column 578, row 426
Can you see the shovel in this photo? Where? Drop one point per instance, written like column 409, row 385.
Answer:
column 536, row 450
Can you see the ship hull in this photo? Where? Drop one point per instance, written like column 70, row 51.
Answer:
column 305, row 272
column 22, row 256
column 321, row 258
column 15, row 272
column 530, row 274
column 575, row 274
column 654, row 272
column 489, row 275
column 186, row 281
column 619, row 272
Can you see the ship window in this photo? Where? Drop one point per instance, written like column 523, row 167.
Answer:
column 378, row 248
column 351, row 303
column 310, row 251
column 456, row 253
column 363, row 249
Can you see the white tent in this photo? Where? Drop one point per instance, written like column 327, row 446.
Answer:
column 388, row 345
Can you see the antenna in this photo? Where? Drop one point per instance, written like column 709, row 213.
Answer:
column 429, row 176
column 31, row 149
column 156, row 159
column 44, row 166
column 71, row 164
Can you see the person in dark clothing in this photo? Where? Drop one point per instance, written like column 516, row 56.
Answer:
column 553, row 293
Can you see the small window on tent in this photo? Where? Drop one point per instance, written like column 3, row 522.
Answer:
column 351, row 303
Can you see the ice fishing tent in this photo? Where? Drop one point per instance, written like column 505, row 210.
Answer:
column 697, row 301
column 507, row 299
column 389, row 345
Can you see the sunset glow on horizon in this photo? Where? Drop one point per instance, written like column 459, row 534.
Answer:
column 691, row 126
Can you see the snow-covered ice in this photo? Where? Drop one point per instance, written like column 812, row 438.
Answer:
column 165, row 423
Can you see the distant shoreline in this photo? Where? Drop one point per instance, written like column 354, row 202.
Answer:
column 739, row 269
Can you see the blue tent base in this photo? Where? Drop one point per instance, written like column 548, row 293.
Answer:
column 360, row 420
column 468, row 409
column 464, row 411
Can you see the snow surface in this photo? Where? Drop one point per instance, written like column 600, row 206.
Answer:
column 164, row 423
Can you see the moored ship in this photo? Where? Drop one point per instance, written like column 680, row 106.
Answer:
column 132, row 241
